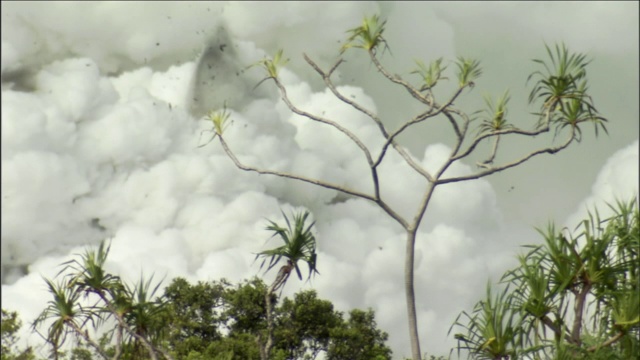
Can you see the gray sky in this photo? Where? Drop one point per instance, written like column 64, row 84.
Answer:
column 96, row 129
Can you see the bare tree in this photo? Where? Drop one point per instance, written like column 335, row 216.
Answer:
column 560, row 85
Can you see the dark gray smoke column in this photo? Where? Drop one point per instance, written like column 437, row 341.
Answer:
column 219, row 77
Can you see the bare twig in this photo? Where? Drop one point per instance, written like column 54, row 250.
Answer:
column 326, row 76
column 477, row 140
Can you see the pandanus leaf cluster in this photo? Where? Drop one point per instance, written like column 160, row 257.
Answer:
column 86, row 294
column 575, row 296
column 367, row 36
column 299, row 245
column 562, row 87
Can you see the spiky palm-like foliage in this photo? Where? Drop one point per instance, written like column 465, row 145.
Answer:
column 367, row 36
column 496, row 115
column 299, row 245
column 430, row 75
column 65, row 311
column 562, row 87
column 468, row 71
column 88, row 294
column 493, row 328
column 575, row 296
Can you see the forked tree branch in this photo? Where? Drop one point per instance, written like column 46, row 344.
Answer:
column 428, row 100
column 477, row 140
column 317, row 182
column 326, row 76
column 490, row 169
column 429, row 114
column 320, row 119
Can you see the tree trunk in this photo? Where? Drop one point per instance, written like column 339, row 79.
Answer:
column 410, row 295
column 280, row 280
column 265, row 347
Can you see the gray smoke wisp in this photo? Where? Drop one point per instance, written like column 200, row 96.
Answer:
column 220, row 80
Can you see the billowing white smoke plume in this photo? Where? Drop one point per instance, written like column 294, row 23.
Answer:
column 102, row 137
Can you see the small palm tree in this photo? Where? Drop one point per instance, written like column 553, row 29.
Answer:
column 138, row 317
column 66, row 312
column 299, row 245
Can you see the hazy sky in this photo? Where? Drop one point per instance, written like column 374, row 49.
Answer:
column 99, row 139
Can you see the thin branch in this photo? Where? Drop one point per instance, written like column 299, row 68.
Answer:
column 609, row 342
column 165, row 354
column 85, row 336
column 490, row 170
column 454, row 124
column 397, row 80
column 280, row 280
column 504, row 132
column 327, row 80
column 426, row 198
column 419, row 118
column 320, row 183
column 326, row 76
column 429, row 114
column 546, row 321
column 428, row 100
column 409, row 160
column 493, row 151
column 319, row 119
column 498, row 133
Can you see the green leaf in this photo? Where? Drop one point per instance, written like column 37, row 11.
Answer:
column 430, row 75
column 495, row 118
column 367, row 36
column 299, row 245
column 468, row 71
